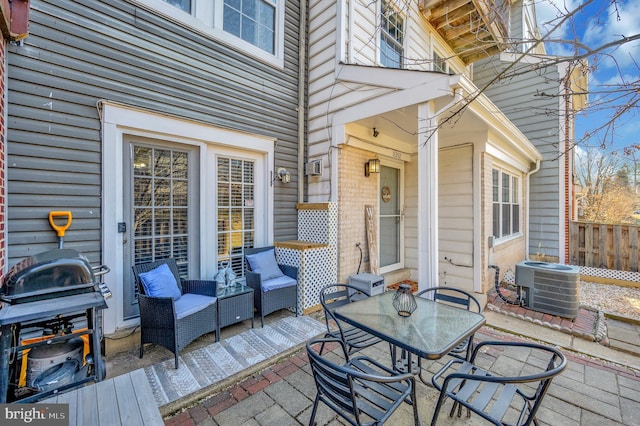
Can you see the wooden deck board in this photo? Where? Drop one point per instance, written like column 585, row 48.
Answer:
column 107, row 412
column 123, row 400
column 87, row 404
column 146, row 401
column 128, row 405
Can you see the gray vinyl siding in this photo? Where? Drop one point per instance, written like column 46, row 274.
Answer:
column 80, row 52
column 524, row 100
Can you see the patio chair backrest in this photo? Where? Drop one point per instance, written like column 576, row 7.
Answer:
column 356, row 390
column 452, row 296
column 332, row 380
column 254, row 250
column 333, row 296
column 494, row 396
column 146, row 267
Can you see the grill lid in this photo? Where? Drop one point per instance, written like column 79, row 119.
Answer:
column 46, row 275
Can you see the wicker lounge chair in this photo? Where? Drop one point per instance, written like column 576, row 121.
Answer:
column 272, row 292
column 171, row 323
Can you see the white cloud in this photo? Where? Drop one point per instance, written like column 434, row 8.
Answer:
column 614, row 26
column 597, row 25
column 550, row 13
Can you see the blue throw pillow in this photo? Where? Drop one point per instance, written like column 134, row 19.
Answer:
column 160, row 282
column 265, row 264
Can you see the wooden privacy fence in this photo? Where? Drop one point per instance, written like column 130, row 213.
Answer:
column 602, row 245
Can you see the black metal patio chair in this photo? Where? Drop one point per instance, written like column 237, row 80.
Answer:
column 333, row 296
column 275, row 286
column 360, row 390
column 175, row 320
column 497, row 398
column 460, row 299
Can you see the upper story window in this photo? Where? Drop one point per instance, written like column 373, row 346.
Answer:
column 253, row 21
column 439, row 63
column 184, row 5
column 254, row 26
column 391, row 36
column 506, row 204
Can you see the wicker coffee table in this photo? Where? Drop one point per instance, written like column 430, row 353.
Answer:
column 235, row 304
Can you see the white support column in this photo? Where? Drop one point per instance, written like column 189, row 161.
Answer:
column 427, row 198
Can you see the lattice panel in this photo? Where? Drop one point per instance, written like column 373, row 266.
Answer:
column 292, row 257
column 315, row 270
column 610, row 273
column 312, row 225
column 587, row 271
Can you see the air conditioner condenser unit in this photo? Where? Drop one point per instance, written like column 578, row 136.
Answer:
column 550, row 287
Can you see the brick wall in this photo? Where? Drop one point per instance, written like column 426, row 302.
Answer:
column 354, row 192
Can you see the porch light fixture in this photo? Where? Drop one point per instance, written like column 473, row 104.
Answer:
column 284, row 175
column 371, row 166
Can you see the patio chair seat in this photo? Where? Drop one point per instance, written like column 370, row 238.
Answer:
column 191, row 303
column 277, row 283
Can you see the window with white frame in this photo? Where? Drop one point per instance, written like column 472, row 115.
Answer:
column 256, row 26
column 506, row 204
column 236, row 211
column 184, row 5
column 391, row 36
column 439, row 63
column 253, row 21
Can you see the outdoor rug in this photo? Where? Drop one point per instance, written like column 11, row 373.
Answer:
column 206, row 366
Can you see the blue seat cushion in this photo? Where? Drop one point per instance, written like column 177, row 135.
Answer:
column 278, row 282
column 265, row 264
column 160, row 282
column 191, row 303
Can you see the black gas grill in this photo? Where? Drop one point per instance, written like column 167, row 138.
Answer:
column 48, row 303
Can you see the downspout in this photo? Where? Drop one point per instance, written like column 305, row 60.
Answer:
column 567, row 184
column 302, row 68
column 526, row 235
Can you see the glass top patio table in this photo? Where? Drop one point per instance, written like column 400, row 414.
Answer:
column 430, row 332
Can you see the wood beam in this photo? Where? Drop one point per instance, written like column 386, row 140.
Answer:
column 445, row 7
column 453, row 18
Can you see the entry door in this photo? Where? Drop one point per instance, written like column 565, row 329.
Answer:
column 159, row 209
column 391, row 222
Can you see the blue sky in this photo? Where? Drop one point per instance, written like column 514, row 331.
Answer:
column 600, row 23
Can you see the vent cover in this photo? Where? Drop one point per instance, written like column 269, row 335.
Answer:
column 313, row 168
